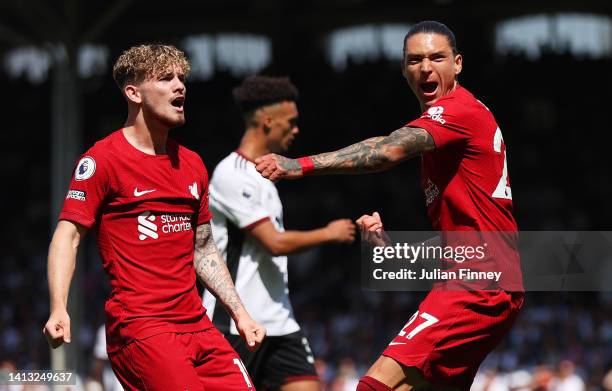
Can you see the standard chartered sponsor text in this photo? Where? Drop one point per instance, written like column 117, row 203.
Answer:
column 175, row 222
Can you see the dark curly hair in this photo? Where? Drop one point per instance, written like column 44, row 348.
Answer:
column 258, row 91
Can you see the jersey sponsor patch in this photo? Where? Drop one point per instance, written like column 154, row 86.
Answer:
column 76, row 195
column 150, row 225
column 85, row 169
column 147, row 226
column 435, row 113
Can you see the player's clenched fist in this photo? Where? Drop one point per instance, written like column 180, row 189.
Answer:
column 371, row 223
column 252, row 332
column 276, row 167
column 57, row 329
column 372, row 230
column 342, row 230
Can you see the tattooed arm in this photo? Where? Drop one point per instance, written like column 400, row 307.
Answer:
column 371, row 155
column 212, row 271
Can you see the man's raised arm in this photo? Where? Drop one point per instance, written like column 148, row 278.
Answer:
column 371, row 155
column 212, row 271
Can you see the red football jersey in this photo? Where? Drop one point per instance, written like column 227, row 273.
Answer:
column 145, row 209
column 465, row 179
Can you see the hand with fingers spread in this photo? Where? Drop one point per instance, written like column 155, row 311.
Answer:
column 276, row 167
column 341, row 230
column 252, row 332
column 57, row 329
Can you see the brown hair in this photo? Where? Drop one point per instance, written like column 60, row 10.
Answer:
column 148, row 61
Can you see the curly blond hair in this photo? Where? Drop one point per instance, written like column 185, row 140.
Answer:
column 149, row 61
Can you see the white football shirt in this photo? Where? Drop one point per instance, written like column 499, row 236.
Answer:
column 240, row 198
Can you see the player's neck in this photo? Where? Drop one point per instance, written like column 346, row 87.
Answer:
column 145, row 133
column 146, row 139
column 252, row 146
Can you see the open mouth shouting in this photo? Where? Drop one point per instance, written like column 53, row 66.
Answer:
column 178, row 102
column 428, row 88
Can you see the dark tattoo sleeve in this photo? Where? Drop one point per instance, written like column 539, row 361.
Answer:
column 212, row 270
column 375, row 154
column 290, row 165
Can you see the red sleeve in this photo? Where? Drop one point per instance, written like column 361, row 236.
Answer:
column 446, row 123
column 204, row 215
column 88, row 188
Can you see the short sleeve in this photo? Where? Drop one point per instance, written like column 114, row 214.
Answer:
column 446, row 123
column 204, row 215
column 88, row 188
column 239, row 197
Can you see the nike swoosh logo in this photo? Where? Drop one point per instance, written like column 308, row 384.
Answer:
column 397, row 343
column 140, row 193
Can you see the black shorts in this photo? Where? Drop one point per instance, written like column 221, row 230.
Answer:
column 279, row 360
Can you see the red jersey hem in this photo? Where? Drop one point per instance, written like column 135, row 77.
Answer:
column 423, row 124
column 204, row 220
column 411, row 361
column 156, row 331
column 77, row 218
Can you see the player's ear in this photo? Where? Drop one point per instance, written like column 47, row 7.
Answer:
column 458, row 64
column 265, row 119
column 266, row 122
column 132, row 93
column 261, row 119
